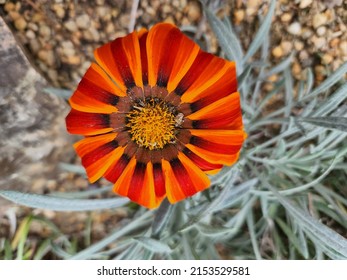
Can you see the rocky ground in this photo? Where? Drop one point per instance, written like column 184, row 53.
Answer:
column 59, row 37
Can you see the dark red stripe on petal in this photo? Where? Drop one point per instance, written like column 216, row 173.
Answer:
column 219, row 122
column 200, row 162
column 159, row 181
column 214, row 147
column 144, row 60
column 114, row 172
column 80, row 121
column 182, row 177
column 99, row 153
column 122, row 63
column 199, row 65
column 172, row 43
column 90, row 89
column 137, row 180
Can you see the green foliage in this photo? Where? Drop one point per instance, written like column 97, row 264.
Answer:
column 279, row 202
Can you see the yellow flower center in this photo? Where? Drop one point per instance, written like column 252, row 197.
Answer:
column 151, row 124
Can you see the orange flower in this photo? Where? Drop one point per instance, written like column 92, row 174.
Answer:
column 159, row 114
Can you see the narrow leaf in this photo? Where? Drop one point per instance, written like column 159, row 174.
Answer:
column 262, row 33
column 62, row 204
column 153, row 245
column 339, row 123
column 326, row 238
column 162, row 217
column 62, row 93
column 329, row 82
column 228, row 41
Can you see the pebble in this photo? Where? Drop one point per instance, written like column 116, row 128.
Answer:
column 83, row 21
column 286, row 17
column 59, row 10
column 30, row 34
column 305, row 3
column 47, row 56
column 194, row 12
column 321, row 31
column 70, row 25
column 295, row 28
column 20, row 24
column 277, row 52
column 327, row 58
column 287, row 47
column 343, row 47
column 318, row 20
column 319, row 42
column 9, row 6
column 73, row 60
column 298, row 45
column 239, row 16
column 44, row 31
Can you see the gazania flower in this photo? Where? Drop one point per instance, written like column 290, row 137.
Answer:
column 158, row 114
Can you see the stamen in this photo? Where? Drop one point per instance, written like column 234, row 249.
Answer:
column 152, row 124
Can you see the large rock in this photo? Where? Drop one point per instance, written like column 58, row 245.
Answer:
column 33, row 138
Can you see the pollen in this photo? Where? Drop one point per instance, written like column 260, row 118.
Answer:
column 152, row 124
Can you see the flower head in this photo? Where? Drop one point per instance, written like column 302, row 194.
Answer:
column 158, row 114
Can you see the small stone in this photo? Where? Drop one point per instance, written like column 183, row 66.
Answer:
column 170, row 19
column 34, row 45
column 318, row 20
column 334, row 43
column 321, row 30
column 102, row 12
column 71, row 26
column 83, row 21
column 91, row 34
column 239, row 16
column 20, row 24
column 30, row 34
column 286, row 17
column 38, row 17
column 59, row 11
column 124, row 20
column 73, row 60
column 9, row 6
column 327, row 58
column 305, row 3
column 287, row 47
column 296, row 69
column 52, row 74
column 44, row 31
column 298, row 45
column 14, row 15
column 343, row 48
column 319, row 42
column 166, row 9
column 277, row 52
column 100, row 2
column 194, row 11
column 68, row 48
column 295, row 28
column 33, row 26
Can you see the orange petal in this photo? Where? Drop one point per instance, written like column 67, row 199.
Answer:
column 96, row 93
column 173, row 189
column 98, row 153
column 123, row 183
column 206, row 70
column 217, row 146
column 222, row 114
column 121, row 60
column 186, row 176
column 217, row 158
column 170, row 55
column 142, row 188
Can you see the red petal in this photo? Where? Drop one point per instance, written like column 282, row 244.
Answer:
column 87, row 123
